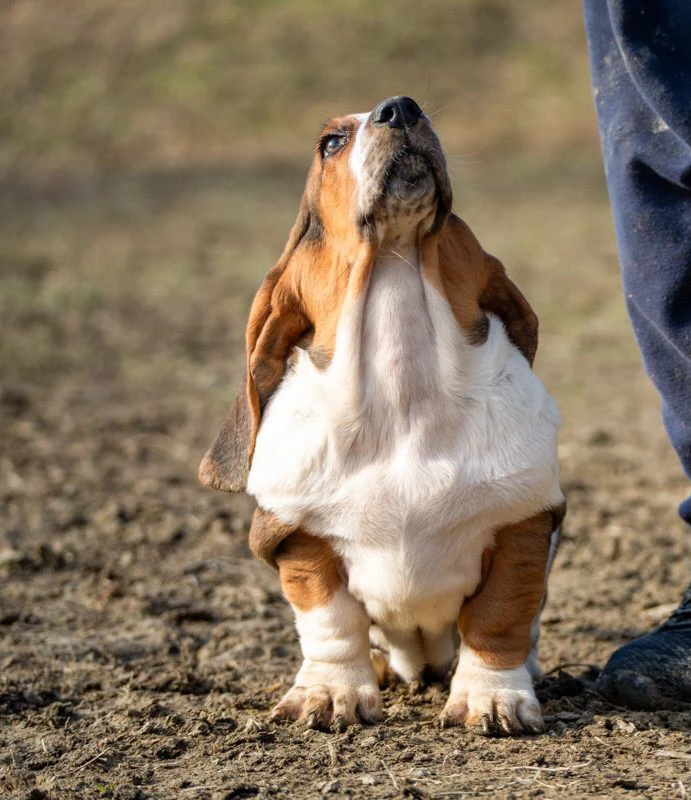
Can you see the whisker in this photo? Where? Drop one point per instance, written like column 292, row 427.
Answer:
column 460, row 156
column 461, row 161
column 427, row 88
column 412, row 266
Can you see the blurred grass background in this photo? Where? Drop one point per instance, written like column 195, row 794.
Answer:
column 152, row 156
column 100, row 85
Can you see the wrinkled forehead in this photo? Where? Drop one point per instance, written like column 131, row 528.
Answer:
column 349, row 123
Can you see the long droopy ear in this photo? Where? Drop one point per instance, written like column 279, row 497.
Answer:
column 474, row 283
column 276, row 323
column 503, row 298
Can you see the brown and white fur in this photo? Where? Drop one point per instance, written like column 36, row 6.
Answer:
column 401, row 450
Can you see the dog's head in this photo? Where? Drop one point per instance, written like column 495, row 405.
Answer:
column 372, row 175
column 377, row 180
column 382, row 173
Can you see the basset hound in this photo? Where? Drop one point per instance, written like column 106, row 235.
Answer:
column 402, row 453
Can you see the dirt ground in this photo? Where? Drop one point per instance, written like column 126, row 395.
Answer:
column 141, row 647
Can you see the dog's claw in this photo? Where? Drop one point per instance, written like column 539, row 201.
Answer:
column 340, row 724
column 505, row 724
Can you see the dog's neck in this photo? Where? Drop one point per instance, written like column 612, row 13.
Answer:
column 399, row 241
column 400, row 227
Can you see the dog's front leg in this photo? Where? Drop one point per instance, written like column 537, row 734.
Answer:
column 336, row 683
column 492, row 688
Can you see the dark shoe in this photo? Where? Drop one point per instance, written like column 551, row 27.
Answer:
column 654, row 671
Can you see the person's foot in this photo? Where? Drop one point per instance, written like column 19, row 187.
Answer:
column 654, row 671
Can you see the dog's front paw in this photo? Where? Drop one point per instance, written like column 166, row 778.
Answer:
column 492, row 700
column 326, row 695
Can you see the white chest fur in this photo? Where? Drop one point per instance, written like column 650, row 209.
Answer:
column 409, row 449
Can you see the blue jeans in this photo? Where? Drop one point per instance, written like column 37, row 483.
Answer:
column 640, row 55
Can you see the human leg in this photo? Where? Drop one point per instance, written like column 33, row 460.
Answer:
column 641, row 67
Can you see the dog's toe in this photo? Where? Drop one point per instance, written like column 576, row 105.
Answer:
column 321, row 707
column 290, row 706
column 493, row 702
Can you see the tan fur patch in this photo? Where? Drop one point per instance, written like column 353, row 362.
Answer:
column 475, row 282
column 496, row 621
column 266, row 534
column 309, row 570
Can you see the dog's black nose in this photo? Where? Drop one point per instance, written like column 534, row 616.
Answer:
column 397, row 112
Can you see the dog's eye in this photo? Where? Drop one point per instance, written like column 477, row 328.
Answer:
column 332, row 144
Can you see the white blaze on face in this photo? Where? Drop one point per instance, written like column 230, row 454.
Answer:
column 359, row 151
column 396, row 210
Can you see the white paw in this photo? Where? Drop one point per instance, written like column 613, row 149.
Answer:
column 326, row 694
column 406, row 665
column 492, row 700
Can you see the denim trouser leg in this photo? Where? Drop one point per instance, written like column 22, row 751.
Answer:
column 640, row 52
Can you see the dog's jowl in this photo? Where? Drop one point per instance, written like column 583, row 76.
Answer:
column 402, row 453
